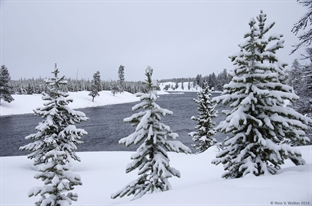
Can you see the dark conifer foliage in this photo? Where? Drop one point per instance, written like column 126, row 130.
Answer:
column 121, row 76
column 96, row 86
column 300, row 77
column 5, row 88
column 305, row 22
column 203, row 136
column 37, row 86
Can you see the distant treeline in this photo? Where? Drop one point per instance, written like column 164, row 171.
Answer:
column 37, row 86
column 213, row 80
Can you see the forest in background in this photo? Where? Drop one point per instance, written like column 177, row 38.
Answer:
column 37, row 85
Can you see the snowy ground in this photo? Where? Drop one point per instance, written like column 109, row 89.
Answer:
column 103, row 173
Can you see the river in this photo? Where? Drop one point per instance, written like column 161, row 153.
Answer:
column 105, row 125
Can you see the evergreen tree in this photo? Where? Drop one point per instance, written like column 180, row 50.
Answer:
column 166, row 87
column 295, row 76
column 259, row 122
column 203, row 136
column 301, row 78
column 121, row 75
column 114, row 88
column 212, row 80
column 304, row 104
column 199, row 80
column 151, row 157
column 54, row 146
column 302, row 24
column 96, row 85
column 30, row 89
column 189, row 85
column 5, row 93
column 222, row 79
column 306, row 88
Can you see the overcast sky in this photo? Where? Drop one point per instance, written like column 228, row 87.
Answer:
column 176, row 38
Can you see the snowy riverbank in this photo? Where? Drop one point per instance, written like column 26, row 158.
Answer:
column 24, row 104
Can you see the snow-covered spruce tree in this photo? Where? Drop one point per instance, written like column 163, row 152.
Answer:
column 151, row 157
column 295, row 76
column 114, row 87
column 121, row 75
column 301, row 78
column 96, row 85
column 203, row 136
column 4, row 85
column 259, row 122
column 54, row 146
column 305, row 22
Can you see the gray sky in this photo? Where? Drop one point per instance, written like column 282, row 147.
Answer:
column 176, row 38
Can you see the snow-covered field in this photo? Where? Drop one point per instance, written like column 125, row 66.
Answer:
column 103, row 173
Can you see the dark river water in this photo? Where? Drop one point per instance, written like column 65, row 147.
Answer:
column 105, row 125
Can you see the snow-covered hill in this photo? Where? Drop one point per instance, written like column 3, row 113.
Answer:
column 103, row 173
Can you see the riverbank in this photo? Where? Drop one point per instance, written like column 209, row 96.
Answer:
column 25, row 104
